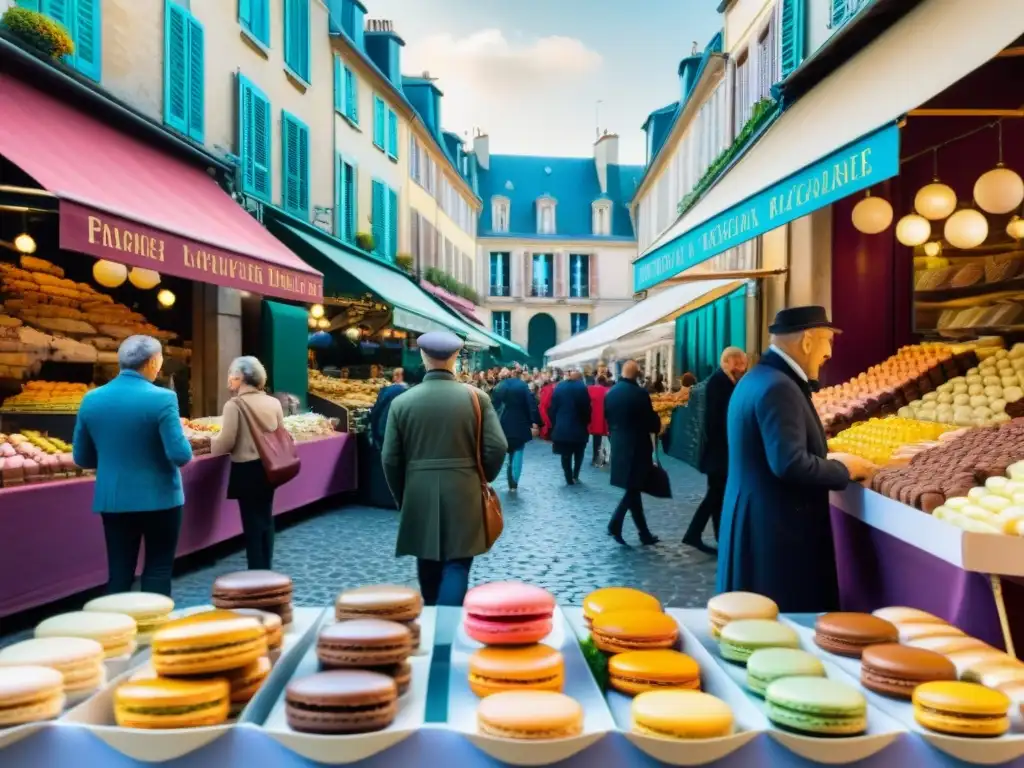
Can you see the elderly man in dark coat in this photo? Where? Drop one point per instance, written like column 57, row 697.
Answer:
column 632, row 421
column 381, row 408
column 776, row 536
column 517, row 411
column 430, row 461
column 570, row 424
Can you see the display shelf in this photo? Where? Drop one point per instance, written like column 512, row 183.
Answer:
column 1013, row 286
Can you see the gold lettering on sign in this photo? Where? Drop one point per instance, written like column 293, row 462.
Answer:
column 125, row 240
column 800, row 193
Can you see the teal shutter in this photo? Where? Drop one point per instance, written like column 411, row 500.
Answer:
column 351, row 96
column 838, row 14
column 245, row 13
column 339, row 86
column 32, row 5
column 347, row 200
column 792, row 37
column 378, row 122
column 295, row 165
column 392, row 250
column 88, row 29
column 196, row 80
column 61, row 11
column 254, row 132
column 339, row 197
column 175, row 67
column 254, row 16
column 379, row 218
column 392, row 134
column 296, row 37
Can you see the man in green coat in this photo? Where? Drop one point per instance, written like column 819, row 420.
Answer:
column 430, row 462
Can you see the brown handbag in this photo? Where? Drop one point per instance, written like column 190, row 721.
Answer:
column 494, row 520
column 276, row 448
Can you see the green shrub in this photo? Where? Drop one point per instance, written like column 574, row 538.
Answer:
column 365, row 241
column 404, row 261
column 39, row 31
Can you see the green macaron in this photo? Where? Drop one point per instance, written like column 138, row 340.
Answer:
column 817, row 706
column 739, row 639
column 770, row 664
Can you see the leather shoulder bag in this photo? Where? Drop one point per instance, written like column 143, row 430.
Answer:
column 276, row 448
column 494, row 520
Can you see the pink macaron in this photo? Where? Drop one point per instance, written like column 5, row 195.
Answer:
column 508, row 613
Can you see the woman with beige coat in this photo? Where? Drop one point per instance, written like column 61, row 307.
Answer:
column 248, row 481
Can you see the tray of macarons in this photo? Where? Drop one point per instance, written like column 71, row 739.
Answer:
column 355, row 686
column 666, row 694
column 958, row 693
column 814, row 708
column 519, row 687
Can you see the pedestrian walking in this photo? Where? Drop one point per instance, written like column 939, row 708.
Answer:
column 598, row 422
column 130, row 432
column 519, row 417
column 570, row 421
column 632, row 421
column 431, row 463
column 381, row 408
column 547, row 391
column 248, row 482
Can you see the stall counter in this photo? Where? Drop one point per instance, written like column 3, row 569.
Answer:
column 53, row 543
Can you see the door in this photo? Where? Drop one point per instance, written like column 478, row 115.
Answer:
column 541, row 336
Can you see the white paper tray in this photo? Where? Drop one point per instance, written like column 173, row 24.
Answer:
column 152, row 746
column 977, row 751
column 268, row 708
column 579, row 684
column 749, row 720
column 882, row 731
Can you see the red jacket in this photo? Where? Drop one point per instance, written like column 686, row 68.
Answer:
column 598, row 423
column 546, row 393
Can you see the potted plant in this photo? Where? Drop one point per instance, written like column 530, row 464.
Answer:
column 404, row 262
column 365, row 241
column 38, row 31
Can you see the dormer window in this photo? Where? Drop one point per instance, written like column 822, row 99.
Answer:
column 546, row 215
column 601, row 214
column 499, row 213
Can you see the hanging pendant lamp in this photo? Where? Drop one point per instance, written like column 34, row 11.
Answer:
column 966, row 229
column 935, row 201
column 999, row 190
column 872, row 214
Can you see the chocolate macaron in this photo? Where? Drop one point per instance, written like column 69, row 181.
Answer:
column 362, row 643
column 341, row 701
column 263, row 590
column 848, row 634
column 389, row 602
column 896, row 670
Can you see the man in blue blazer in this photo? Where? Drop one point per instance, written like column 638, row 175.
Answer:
column 130, row 432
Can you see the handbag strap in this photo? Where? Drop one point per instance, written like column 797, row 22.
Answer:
column 479, row 431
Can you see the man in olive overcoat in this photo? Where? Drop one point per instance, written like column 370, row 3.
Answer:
column 430, row 462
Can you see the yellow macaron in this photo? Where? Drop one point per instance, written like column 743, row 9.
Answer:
column 681, row 715
column 961, row 709
column 114, row 631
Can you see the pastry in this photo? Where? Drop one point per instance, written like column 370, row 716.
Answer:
column 681, row 715
column 508, row 613
column 634, row 672
column 114, row 631
column 1000, row 268
column 848, row 634
column 816, row 706
column 149, row 610
column 264, row 590
column 617, row 599
column 160, row 703
column 78, row 659
column 994, row 673
column 969, row 274
column 910, row 632
column 895, row 670
column 961, row 709
column 341, row 701
column 528, row 668
column 739, row 639
column 204, row 647
column 29, row 694
column 363, row 643
column 770, row 664
column 621, row 631
column 529, row 716
column 731, row 606
column 972, row 657
column 947, row 644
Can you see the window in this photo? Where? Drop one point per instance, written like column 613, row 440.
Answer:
column 83, row 20
column 295, row 165
column 844, row 10
column 347, row 200
column 602, row 218
column 379, row 122
column 579, row 275
column 296, row 38
column 384, row 221
column 254, row 135
column 744, row 95
column 499, row 214
column 184, row 72
column 501, row 324
column 500, row 280
column 254, row 16
column 792, row 35
column 392, row 134
column 542, row 275
column 545, row 216
column 767, row 62
column 346, row 92
column 578, row 322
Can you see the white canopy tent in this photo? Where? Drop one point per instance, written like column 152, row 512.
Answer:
column 585, row 357
column 635, row 344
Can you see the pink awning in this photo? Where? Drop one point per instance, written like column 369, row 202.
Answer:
column 127, row 201
column 462, row 306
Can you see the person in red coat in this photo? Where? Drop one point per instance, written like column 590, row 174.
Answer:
column 546, row 393
column 598, row 423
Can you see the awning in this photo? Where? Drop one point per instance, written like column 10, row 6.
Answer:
column 463, row 306
column 795, row 168
column 578, row 358
column 412, row 308
column 666, row 305
column 655, row 336
column 124, row 200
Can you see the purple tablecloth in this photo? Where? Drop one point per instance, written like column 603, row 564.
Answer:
column 51, row 544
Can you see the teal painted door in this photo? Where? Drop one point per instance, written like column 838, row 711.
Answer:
column 541, row 336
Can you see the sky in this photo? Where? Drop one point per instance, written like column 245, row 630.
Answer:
column 530, row 73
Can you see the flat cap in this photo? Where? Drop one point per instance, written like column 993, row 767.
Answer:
column 439, row 345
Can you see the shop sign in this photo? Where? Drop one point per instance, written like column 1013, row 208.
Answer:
column 105, row 236
column 857, row 166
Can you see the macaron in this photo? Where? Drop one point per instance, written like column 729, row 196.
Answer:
column 150, row 610
column 622, row 631
column 848, row 634
column 739, row 639
column 910, row 632
column 264, row 590
column 244, row 682
column 961, row 709
column 681, row 715
column 526, row 668
column 401, row 673
column 896, row 670
column 341, row 701
column 78, row 659
column 114, row 631
column 529, row 716
column 363, row 643
column 508, row 613
column 379, row 601
column 899, row 614
column 817, row 706
column 635, row 672
column 161, row 703
column 272, row 624
column 204, row 647
column 767, row 665
column 29, row 694
column 617, row 599
column 736, row 606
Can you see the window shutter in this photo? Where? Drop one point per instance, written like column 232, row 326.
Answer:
column 560, row 258
column 351, row 199
column 261, row 135
column 304, row 40
column 378, row 122
column 339, row 84
column 303, row 132
column 592, row 270
column 339, row 191
column 245, row 13
column 59, row 10
column 290, row 163
column 196, row 80
column 351, row 96
column 175, row 68
column 392, row 224
column 378, row 217
column 392, row 134
column 32, row 5
column 838, row 14
column 88, row 28
column 791, row 35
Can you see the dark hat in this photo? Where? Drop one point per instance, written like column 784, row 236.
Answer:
column 439, row 345
column 796, row 319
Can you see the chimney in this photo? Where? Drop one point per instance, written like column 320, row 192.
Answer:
column 606, row 152
column 482, row 150
column 384, row 46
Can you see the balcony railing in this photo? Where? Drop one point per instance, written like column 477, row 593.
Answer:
column 579, row 292
column 541, row 290
column 500, row 290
